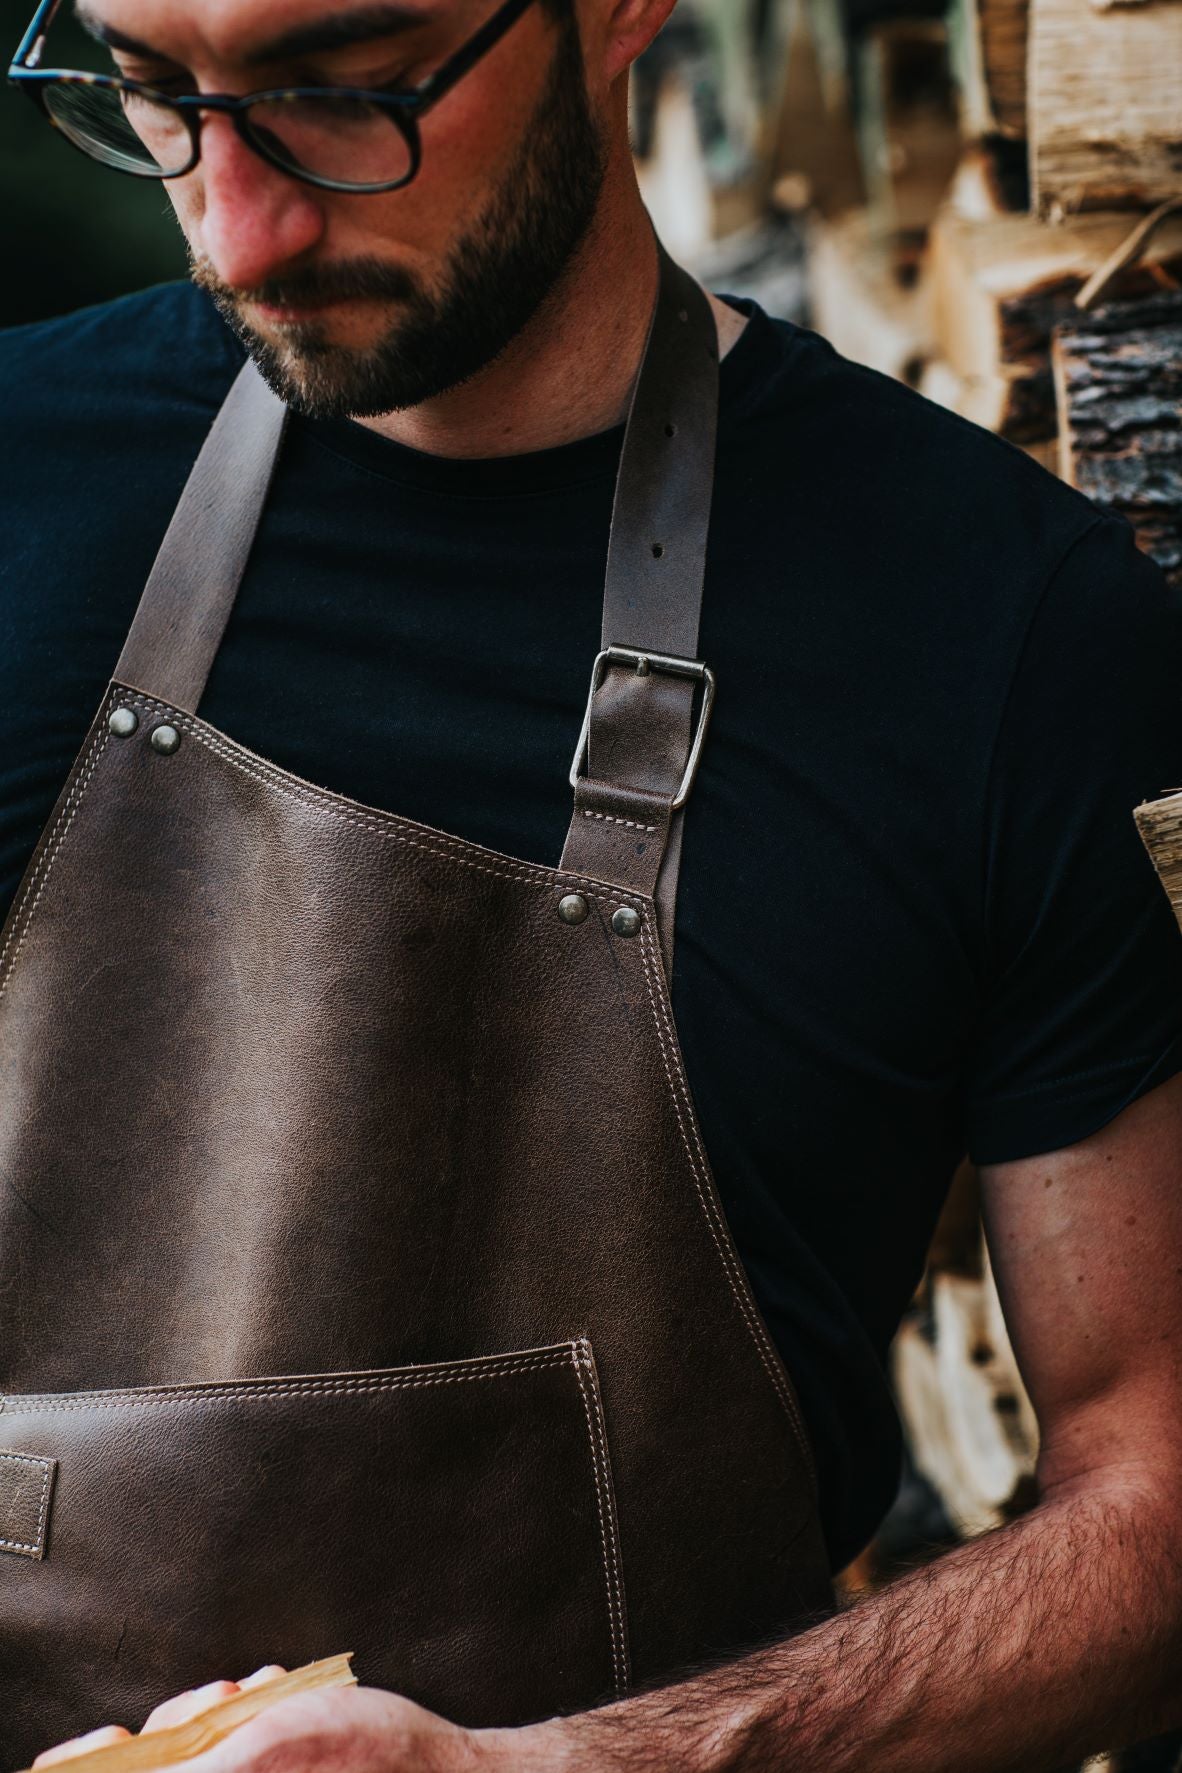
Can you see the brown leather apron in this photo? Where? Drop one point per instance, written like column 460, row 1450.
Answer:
column 363, row 1283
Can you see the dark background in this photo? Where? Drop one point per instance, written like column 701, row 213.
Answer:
column 72, row 232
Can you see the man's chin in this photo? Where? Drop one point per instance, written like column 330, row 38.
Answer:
column 315, row 386
column 308, row 370
column 328, row 381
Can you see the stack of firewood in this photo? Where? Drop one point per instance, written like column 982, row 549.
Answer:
column 1005, row 151
column 1045, row 330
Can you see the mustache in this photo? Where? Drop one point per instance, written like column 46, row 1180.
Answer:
column 346, row 280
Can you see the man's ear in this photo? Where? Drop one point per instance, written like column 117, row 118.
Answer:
column 624, row 28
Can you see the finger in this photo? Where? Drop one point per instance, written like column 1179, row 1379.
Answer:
column 175, row 1711
column 262, row 1675
column 81, row 1745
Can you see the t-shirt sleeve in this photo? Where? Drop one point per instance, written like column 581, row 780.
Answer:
column 1081, row 1004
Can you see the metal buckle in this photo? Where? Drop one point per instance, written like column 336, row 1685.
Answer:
column 644, row 663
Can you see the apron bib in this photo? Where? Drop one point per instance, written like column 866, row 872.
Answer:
column 363, row 1283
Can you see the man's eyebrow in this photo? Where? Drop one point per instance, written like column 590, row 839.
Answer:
column 102, row 32
column 335, row 30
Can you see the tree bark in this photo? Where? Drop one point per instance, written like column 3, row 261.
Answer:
column 1118, row 387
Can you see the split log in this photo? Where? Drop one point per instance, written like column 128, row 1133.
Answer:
column 1105, row 104
column 908, row 128
column 990, row 180
column 1159, row 823
column 1000, row 284
column 988, row 42
column 1118, row 389
column 969, row 1421
column 864, row 294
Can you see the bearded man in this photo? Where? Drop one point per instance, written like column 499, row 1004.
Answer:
column 364, row 1281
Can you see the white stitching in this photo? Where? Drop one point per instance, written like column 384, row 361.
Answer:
column 443, row 845
column 49, row 855
column 16, row 1404
column 632, row 824
column 46, row 1467
column 581, row 1361
column 603, row 1533
column 699, row 1170
column 575, row 1354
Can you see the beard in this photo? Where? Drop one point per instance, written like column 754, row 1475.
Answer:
column 495, row 276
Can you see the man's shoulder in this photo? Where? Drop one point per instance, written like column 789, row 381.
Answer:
column 925, row 482
column 162, row 349
column 102, row 413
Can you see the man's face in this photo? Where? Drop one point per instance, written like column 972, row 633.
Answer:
column 360, row 304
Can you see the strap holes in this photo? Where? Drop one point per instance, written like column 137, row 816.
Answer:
column 658, row 550
column 671, row 430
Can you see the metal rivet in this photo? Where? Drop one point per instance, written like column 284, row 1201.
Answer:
column 122, row 722
column 165, row 739
column 572, row 908
column 625, row 921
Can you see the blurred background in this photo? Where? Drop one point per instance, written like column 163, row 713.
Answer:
column 982, row 198
column 73, row 232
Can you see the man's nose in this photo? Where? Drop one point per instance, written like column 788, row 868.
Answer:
column 256, row 219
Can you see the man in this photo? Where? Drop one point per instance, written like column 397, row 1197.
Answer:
column 914, row 916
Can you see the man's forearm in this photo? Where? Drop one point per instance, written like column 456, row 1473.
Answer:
column 1029, row 1647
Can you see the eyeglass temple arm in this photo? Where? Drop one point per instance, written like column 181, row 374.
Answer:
column 443, row 78
column 28, row 52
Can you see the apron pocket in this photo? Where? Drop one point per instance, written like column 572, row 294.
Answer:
column 452, row 1524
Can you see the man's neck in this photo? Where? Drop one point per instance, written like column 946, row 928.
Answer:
column 569, row 373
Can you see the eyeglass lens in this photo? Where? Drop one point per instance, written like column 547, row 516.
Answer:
column 343, row 139
column 100, row 121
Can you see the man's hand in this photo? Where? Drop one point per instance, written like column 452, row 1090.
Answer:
column 171, row 1711
column 361, row 1729
column 358, row 1729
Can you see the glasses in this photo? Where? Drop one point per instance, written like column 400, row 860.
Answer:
column 339, row 138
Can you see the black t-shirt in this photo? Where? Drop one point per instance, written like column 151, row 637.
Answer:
column 915, row 916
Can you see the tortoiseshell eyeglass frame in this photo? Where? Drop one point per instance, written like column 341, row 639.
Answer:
column 405, row 105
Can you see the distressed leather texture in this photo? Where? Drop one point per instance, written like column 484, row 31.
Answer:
column 371, row 1195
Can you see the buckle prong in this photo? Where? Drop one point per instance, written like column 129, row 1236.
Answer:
column 645, row 662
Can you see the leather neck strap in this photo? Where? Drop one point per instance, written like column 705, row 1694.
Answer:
column 186, row 603
column 625, row 830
